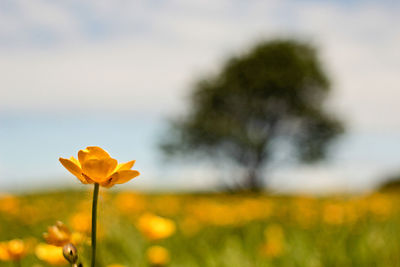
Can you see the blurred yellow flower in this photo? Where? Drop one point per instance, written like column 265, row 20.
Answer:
column 78, row 238
column 333, row 213
column 380, row 205
column 304, row 211
column 4, row 256
column 157, row 256
column 189, row 226
column 130, row 202
column 81, row 222
column 115, row 265
column 94, row 165
column 13, row 250
column 155, row 227
column 274, row 245
column 50, row 254
column 272, row 249
column 9, row 204
column 57, row 235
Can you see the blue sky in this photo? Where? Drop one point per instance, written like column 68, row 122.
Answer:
column 77, row 73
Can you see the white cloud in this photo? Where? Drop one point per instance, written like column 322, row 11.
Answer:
column 151, row 52
column 359, row 47
column 26, row 22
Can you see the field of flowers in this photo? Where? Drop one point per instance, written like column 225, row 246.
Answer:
column 136, row 229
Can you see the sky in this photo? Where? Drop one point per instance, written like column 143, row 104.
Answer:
column 108, row 73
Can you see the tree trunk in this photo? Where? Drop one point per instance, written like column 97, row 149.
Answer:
column 253, row 181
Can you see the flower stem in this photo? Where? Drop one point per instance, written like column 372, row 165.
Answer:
column 94, row 222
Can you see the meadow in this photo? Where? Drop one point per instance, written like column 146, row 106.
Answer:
column 209, row 229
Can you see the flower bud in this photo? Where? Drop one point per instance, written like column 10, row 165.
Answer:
column 70, row 253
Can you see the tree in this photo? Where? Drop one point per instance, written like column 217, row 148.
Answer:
column 270, row 96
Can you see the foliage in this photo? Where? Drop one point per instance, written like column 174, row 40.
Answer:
column 269, row 96
column 392, row 183
column 220, row 229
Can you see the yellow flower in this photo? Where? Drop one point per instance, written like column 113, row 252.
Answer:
column 94, row 165
column 155, row 227
column 130, row 203
column 157, row 256
column 81, row 222
column 58, row 235
column 78, row 238
column 4, row 256
column 190, row 226
column 9, row 204
column 272, row 249
column 333, row 213
column 50, row 254
column 13, row 250
column 275, row 241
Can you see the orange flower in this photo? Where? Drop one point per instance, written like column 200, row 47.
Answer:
column 13, row 250
column 157, row 256
column 81, row 222
column 50, row 254
column 94, row 165
column 57, row 235
column 275, row 241
column 155, row 227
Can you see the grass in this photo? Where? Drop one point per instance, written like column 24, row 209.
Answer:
column 218, row 229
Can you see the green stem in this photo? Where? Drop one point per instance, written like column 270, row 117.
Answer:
column 94, row 222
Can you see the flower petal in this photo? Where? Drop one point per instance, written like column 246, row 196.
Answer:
column 88, row 180
column 50, row 254
column 92, row 152
column 125, row 166
column 124, row 176
column 73, row 168
column 107, row 184
column 120, row 177
column 4, row 255
column 99, row 170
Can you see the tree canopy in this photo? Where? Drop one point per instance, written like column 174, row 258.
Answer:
column 272, row 94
